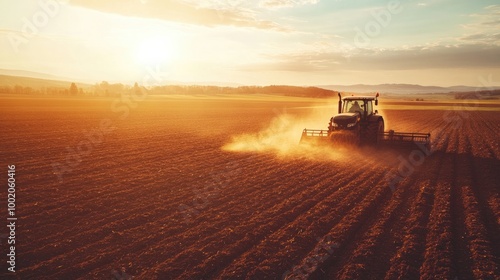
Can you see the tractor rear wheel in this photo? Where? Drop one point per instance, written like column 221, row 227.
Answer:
column 373, row 131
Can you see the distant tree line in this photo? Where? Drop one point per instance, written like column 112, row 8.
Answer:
column 270, row 90
column 105, row 89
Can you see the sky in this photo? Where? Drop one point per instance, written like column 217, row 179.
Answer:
column 261, row 42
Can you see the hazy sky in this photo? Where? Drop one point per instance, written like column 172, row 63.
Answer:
column 261, row 42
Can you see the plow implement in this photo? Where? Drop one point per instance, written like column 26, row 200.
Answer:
column 314, row 135
column 405, row 139
column 389, row 138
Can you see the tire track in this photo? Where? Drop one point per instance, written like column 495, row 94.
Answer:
column 103, row 230
column 408, row 259
column 342, row 233
column 307, row 230
column 267, row 223
column 461, row 255
column 479, row 244
column 371, row 257
column 150, row 239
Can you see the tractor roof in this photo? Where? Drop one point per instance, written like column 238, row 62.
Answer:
column 359, row 98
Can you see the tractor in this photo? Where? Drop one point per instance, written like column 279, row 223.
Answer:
column 358, row 123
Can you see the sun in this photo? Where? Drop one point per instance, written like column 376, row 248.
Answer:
column 155, row 51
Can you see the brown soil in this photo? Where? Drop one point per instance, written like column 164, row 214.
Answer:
column 159, row 198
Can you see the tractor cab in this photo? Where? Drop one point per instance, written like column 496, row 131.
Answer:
column 361, row 105
column 353, row 110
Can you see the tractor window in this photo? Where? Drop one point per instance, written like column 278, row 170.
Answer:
column 352, row 106
column 369, row 107
column 347, row 105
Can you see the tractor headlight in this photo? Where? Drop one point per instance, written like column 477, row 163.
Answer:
column 335, row 125
column 351, row 124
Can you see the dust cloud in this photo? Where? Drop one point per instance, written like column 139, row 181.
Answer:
column 282, row 136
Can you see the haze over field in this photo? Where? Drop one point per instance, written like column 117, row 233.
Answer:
column 293, row 42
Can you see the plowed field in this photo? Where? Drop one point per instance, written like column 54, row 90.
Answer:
column 217, row 188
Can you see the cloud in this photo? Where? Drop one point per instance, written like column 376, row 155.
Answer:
column 273, row 4
column 482, row 37
column 415, row 58
column 434, row 57
column 484, row 27
column 206, row 13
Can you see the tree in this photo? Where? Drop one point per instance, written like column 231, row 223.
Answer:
column 73, row 89
column 137, row 89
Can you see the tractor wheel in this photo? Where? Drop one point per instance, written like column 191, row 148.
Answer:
column 373, row 131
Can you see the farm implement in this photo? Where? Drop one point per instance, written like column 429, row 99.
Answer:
column 358, row 123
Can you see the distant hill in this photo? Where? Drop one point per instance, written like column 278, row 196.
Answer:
column 30, row 74
column 36, row 83
column 402, row 88
column 37, row 75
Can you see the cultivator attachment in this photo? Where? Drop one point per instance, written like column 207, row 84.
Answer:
column 314, row 136
column 405, row 139
column 389, row 138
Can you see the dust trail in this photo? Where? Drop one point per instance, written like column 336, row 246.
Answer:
column 283, row 134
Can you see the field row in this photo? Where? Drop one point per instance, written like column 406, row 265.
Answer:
column 157, row 199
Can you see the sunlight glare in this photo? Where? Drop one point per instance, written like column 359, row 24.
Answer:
column 153, row 51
